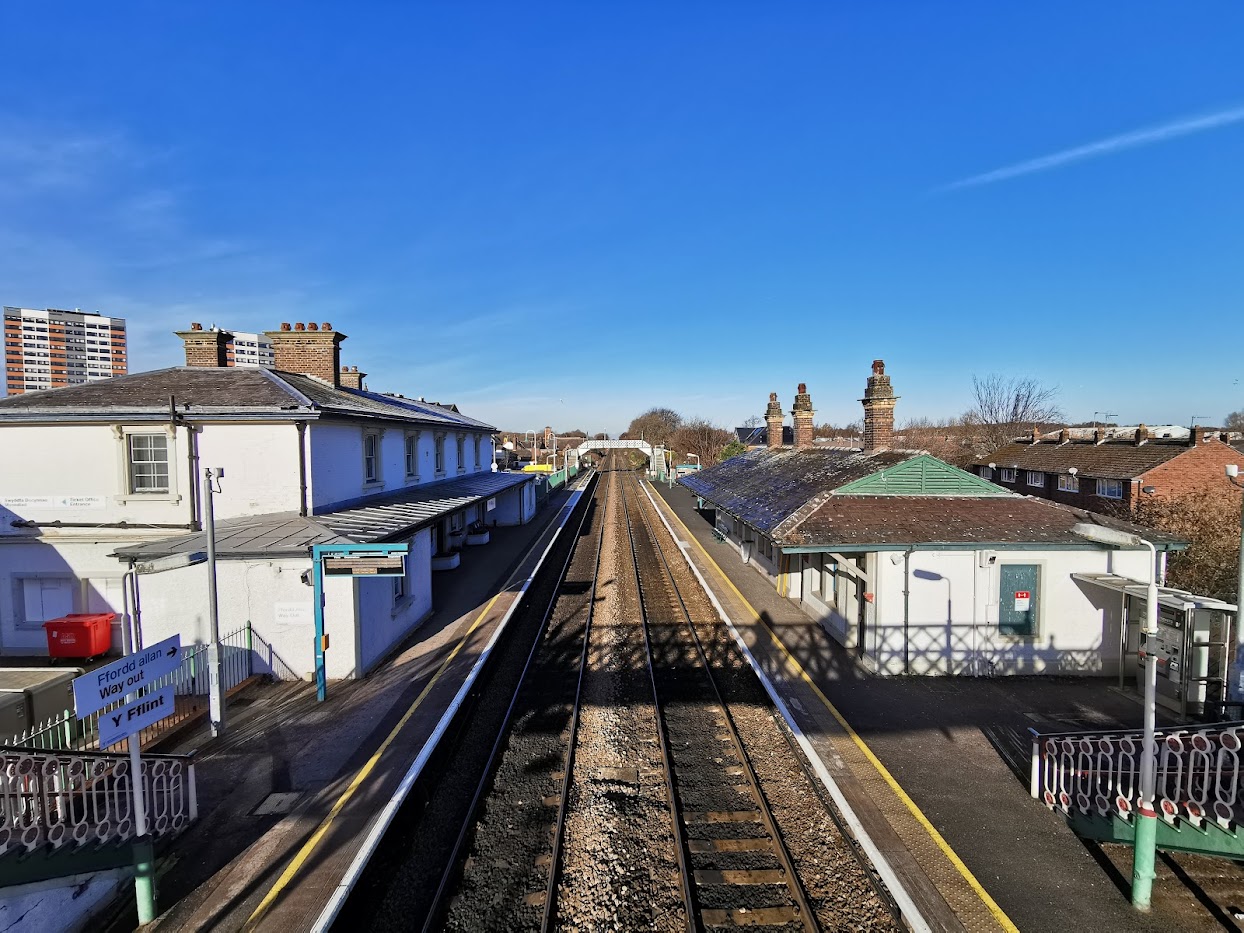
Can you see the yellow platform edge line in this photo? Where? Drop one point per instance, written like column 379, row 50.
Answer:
column 291, row 871
column 998, row 913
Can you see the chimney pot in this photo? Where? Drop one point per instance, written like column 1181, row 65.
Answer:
column 326, row 326
column 284, row 325
column 313, row 327
column 196, row 326
column 300, row 326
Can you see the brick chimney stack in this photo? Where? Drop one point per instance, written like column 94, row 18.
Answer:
column 1036, row 434
column 206, row 348
column 548, row 437
column 309, row 349
column 773, row 421
column 1064, row 435
column 1196, row 436
column 801, row 415
column 879, row 400
column 1143, row 434
column 351, row 378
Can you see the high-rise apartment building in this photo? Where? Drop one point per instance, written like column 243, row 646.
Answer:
column 51, row 348
column 250, row 350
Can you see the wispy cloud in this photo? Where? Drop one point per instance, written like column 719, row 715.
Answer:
column 1103, row 147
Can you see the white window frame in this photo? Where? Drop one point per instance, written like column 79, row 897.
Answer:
column 440, row 454
column 1103, row 487
column 1068, row 483
column 122, row 433
column 1040, row 483
column 461, row 439
column 1008, row 474
column 986, row 473
column 478, row 440
column 411, row 454
column 377, row 479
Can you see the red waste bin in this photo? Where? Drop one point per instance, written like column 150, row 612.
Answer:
column 80, row 634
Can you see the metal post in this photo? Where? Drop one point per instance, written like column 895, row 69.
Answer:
column 216, row 699
column 317, row 582
column 1144, row 851
column 144, row 851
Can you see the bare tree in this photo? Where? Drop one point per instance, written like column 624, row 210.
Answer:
column 1235, row 421
column 1210, row 520
column 754, row 421
column 1007, row 406
column 701, row 437
column 656, row 425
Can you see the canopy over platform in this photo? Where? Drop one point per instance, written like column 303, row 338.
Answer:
column 1169, row 596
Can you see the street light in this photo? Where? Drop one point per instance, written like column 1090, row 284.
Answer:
column 697, row 459
column 1144, row 844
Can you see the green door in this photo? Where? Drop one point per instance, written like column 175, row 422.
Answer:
column 1018, row 598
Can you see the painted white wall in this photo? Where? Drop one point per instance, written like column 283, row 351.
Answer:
column 268, row 594
column 261, row 467
column 953, row 623
column 384, row 621
column 83, row 567
column 336, row 459
column 515, row 506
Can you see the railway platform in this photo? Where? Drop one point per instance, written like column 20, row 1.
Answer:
column 296, row 789
column 927, row 764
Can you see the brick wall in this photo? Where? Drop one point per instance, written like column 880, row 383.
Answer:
column 206, row 348
column 1086, row 498
column 310, row 349
column 1201, row 467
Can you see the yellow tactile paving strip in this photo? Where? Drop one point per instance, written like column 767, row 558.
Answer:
column 945, row 891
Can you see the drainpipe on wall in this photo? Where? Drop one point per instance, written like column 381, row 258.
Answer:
column 907, row 611
column 302, row 468
column 127, row 623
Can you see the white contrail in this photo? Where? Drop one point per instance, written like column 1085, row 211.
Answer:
column 1132, row 140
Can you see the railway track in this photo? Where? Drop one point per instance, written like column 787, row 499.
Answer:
column 735, row 867
column 519, row 827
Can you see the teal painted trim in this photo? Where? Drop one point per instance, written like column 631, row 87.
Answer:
column 922, row 475
column 1182, row 837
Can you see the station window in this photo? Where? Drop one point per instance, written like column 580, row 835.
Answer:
column 371, row 458
column 1036, row 478
column 1068, row 483
column 148, row 463
column 1008, row 475
column 412, row 455
column 440, row 454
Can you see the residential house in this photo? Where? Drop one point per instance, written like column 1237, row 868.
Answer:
column 1107, row 469
column 108, row 478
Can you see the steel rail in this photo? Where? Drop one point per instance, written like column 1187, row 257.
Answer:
column 550, row 892
column 454, row 863
column 680, row 843
column 806, row 915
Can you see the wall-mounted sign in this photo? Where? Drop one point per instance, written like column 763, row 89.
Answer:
column 54, row 502
column 490, row 505
column 388, row 565
column 1023, row 600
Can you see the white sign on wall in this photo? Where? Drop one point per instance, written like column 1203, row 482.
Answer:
column 292, row 615
column 490, row 505
column 54, row 502
column 1023, row 600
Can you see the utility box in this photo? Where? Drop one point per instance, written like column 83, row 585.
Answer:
column 46, row 691
column 14, row 714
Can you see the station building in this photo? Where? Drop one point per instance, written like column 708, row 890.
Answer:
column 102, row 501
column 921, row 567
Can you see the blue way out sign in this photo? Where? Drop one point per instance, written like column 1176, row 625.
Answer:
column 109, row 684
column 124, row 721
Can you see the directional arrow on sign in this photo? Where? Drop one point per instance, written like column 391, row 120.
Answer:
column 135, row 672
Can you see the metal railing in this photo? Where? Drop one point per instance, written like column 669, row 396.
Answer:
column 189, row 680
column 1098, row 773
column 76, row 798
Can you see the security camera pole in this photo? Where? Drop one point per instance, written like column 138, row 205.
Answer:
column 1146, row 820
column 216, row 699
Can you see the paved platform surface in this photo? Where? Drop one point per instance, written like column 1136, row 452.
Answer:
column 944, row 744
column 342, row 759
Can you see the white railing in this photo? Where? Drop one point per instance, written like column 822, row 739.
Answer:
column 1098, row 773
column 83, row 799
column 190, row 679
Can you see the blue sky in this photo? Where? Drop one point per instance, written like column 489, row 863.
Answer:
column 567, row 213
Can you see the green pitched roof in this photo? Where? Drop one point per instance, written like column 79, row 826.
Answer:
column 923, row 475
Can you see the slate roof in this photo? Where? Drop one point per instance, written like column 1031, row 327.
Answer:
column 1108, row 460
column 891, row 521
column 206, row 393
column 287, row 534
column 756, row 436
column 763, row 487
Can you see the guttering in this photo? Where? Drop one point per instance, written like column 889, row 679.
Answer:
column 23, row 523
column 960, row 546
column 302, row 467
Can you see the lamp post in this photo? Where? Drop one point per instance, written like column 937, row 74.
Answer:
column 216, row 699
column 697, row 460
column 1145, row 838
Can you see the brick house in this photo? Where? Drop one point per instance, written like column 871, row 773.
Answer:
column 1110, row 466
